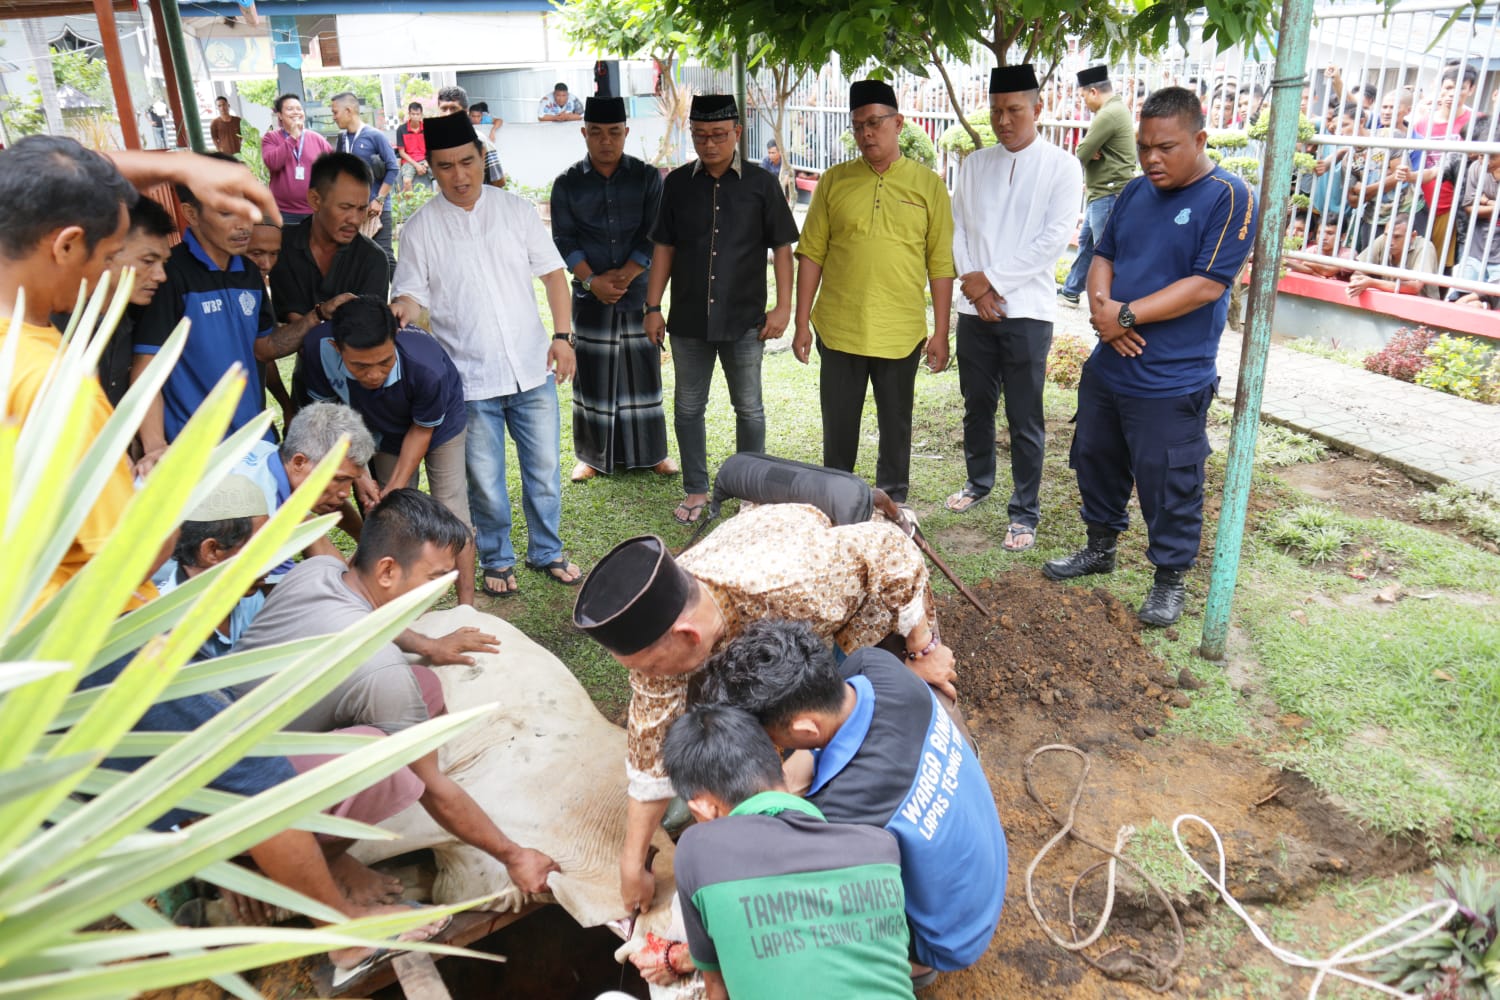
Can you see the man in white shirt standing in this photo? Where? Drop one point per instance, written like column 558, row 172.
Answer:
column 1014, row 208
column 469, row 257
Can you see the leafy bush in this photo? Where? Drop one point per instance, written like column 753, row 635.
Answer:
column 75, row 840
column 1452, row 502
column 1404, row 356
column 250, row 151
column 1462, row 961
column 1065, row 360
column 914, row 143
column 1461, row 366
column 955, row 138
column 1313, row 533
column 404, row 203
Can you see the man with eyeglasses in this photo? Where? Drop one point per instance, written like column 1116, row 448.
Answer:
column 878, row 235
column 719, row 215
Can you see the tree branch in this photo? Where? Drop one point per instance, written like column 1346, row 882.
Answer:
column 936, row 59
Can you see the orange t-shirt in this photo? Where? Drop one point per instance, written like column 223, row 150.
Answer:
column 36, row 352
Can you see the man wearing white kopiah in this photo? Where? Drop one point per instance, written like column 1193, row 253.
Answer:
column 1014, row 208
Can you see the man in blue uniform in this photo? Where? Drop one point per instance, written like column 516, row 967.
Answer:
column 1158, row 294
column 887, row 755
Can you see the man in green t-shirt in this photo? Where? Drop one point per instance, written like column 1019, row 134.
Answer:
column 1108, row 155
column 777, row 901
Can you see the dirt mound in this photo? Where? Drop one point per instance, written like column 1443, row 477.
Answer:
column 1061, row 664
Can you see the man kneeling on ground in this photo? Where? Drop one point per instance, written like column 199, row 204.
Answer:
column 408, row 540
column 889, row 756
column 759, row 850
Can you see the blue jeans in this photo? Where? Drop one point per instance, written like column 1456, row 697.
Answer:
column 1094, row 214
column 693, row 361
column 1474, row 269
column 533, row 422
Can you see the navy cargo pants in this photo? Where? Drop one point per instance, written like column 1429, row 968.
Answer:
column 1159, row 446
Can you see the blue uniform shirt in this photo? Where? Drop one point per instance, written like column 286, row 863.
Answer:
column 898, row 762
column 229, row 311
column 371, row 145
column 423, row 389
column 1155, row 238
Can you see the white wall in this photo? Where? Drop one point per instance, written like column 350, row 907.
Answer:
column 382, row 41
column 534, row 153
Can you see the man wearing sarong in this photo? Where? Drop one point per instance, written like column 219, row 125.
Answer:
column 603, row 207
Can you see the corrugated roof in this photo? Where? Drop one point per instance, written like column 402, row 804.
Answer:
column 11, row 10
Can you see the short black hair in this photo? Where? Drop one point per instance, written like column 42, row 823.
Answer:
column 559, row 85
column 1369, row 91
column 1352, row 110
column 344, row 97
column 186, row 195
column 276, row 104
column 221, row 97
column 456, row 94
column 720, row 750
column 1174, row 102
column 401, row 524
column 770, row 145
column 415, row 106
column 149, row 217
column 1103, row 86
column 1460, row 74
column 364, row 322
column 774, row 670
column 230, row 532
column 1479, row 129
column 327, row 168
column 50, row 182
column 479, row 106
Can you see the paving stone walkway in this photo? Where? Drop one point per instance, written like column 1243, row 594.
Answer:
column 1429, row 435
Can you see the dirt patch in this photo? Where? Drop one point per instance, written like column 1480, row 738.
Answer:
column 1368, row 489
column 1060, row 664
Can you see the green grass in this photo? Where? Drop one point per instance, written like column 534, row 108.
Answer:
column 1333, row 352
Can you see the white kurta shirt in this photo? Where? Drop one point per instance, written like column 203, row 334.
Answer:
column 1013, row 214
column 474, row 271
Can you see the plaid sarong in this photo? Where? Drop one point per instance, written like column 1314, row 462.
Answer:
column 618, row 420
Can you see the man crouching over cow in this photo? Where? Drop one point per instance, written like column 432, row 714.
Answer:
column 408, row 540
column 662, row 618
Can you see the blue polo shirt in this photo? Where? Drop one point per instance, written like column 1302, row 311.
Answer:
column 898, row 762
column 423, row 389
column 229, row 310
column 371, row 145
column 1155, row 238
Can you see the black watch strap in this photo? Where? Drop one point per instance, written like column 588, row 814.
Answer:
column 1126, row 317
column 653, row 309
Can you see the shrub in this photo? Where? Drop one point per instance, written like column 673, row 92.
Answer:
column 955, row 138
column 915, row 145
column 1404, row 356
column 1478, row 512
column 1463, row 959
column 1065, row 360
column 404, row 203
column 1458, row 365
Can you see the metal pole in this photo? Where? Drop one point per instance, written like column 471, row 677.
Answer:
column 172, row 38
column 114, row 60
column 741, row 103
column 1276, row 181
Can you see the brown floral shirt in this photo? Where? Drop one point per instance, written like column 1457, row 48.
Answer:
column 854, row 584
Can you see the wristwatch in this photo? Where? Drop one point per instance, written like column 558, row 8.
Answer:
column 564, row 336
column 653, row 309
column 1126, row 317
column 588, row 283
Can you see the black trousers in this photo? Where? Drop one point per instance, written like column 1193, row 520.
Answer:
column 842, row 381
column 383, row 241
column 1007, row 358
column 1159, row 446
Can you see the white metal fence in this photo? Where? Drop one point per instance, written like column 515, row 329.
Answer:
column 1393, row 62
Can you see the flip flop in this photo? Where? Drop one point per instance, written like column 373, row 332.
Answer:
column 506, row 575
column 691, row 509
column 965, row 498
column 1014, row 531
column 558, row 565
column 342, row 977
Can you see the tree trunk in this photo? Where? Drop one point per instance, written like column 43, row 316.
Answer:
column 783, row 83
column 46, row 81
column 937, row 60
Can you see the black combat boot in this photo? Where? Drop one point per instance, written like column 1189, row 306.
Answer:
column 1096, row 557
column 1164, row 603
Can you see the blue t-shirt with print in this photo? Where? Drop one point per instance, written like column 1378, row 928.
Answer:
column 1155, row 238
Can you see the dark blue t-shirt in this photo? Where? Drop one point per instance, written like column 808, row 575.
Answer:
column 229, row 311
column 246, row 776
column 898, row 762
column 423, row 389
column 371, row 145
column 1155, row 238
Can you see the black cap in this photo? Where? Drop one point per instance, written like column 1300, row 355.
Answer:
column 862, row 92
column 633, row 595
column 1013, row 79
column 450, row 131
column 604, row 110
column 714, row 108
column 1092, row 76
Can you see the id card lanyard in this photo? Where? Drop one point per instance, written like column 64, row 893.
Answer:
column 299, row 172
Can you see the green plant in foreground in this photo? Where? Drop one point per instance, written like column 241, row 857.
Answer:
column 1312, row 532
column 1460, row 365
column 1452, row 502
column 1462, row 961
column 76, row 845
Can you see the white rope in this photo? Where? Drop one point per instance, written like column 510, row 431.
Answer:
column 1333, row 965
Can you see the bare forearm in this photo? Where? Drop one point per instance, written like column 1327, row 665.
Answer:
column 942, row 305
column 455, row 810
column 641, row 821
column 661, row 271
column 1101, row 278
column 809, row 275
column 286, row 338
column 781, row 266
column 414, row 447
column 1177, row 299
column 559, row 300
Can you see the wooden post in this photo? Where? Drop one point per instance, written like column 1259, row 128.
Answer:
column 115, row 60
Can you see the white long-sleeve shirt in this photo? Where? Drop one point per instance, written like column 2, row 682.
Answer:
column 1012, row 216
column 474, row 272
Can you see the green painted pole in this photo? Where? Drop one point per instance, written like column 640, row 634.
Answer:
column 173, row 39
column 1276, row 182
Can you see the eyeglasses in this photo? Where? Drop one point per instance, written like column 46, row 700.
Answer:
column 724, row 135
column 871, row 124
